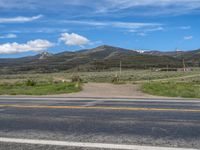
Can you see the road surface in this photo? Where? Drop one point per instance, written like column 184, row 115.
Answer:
column 69, row 124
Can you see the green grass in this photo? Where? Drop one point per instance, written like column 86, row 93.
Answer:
column 173, row 89
column 38, row 89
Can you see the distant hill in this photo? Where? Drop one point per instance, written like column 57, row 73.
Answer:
column 170, row 53
column 44, row 55
column 191, row 57
column 97, row 59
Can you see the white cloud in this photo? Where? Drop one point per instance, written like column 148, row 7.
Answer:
column 35, row 45
column 130, row 26
column 172, row 7
column 158, row 28
column 107, row 7
column 8, row 36
column 133, row 25
column 142, row 34
column 131, row 3
column 85, row 22
column 185, row 27
column 188, row 37
column 112, row 23
column 20, row 19
column 73, row 39
column 39, row 30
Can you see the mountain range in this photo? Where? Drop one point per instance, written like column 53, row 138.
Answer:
column 97, row 59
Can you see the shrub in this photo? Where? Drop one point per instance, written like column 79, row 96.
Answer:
column 76, row 79
column 115, row 79
column 30, row 83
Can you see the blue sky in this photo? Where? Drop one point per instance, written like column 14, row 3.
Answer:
column 28, row 27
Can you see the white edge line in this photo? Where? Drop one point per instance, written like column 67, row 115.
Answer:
column 85, row 145
column 106, row 99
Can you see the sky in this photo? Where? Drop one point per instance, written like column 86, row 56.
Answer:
column 28, row 27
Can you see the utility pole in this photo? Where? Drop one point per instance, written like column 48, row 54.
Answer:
column 120, row 67
column 184, row 67
column 167, row 68
column 176, row 52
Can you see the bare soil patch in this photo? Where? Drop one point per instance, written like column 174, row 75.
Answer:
column 107, row 90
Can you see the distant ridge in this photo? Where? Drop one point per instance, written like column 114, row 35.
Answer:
column 44, row 55
column 97, row 59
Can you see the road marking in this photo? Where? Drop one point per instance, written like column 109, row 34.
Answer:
column 86, row 145
column 101, row 108
column 104, row 99
column 92, row 103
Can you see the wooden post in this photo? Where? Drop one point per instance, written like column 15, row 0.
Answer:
column 120, row 65
column 184, row 67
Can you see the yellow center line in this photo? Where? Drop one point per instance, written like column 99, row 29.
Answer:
column 102, row 108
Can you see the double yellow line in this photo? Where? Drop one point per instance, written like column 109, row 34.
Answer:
column 100, row 108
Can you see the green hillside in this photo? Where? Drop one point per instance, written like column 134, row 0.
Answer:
column 96, row 59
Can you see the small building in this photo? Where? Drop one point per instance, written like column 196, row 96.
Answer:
column 172, row 69
column 184, row 69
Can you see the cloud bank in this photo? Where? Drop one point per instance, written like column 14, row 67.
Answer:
column 153, row 7
column 8, row 36
column 74, row 39
column 136, row 27
column 188, row 37
column 20, row 19
column 35, row 45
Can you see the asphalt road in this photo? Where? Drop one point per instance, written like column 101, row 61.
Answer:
column 165, row 123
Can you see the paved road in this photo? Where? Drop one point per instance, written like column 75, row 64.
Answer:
column 165, row 123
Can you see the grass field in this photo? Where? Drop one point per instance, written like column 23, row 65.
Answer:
column 38, row 88
column 181, row 84
column 173, row 89
column 187, row 86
